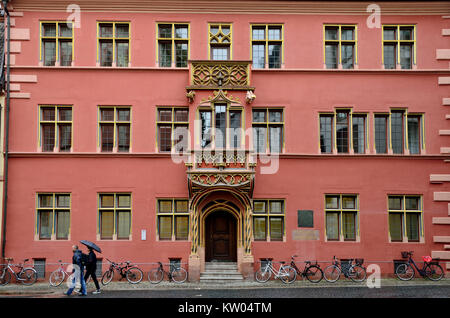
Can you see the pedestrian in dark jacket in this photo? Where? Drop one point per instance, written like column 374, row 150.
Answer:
column 91, row 267
column 77, row 271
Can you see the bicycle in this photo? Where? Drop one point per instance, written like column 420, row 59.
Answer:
column 25, row 275
column 431, row 268
column 176, row 274
column 356, row 272
column 58, row 276
column 285, row 273
column 131, row 272
column 312, row 272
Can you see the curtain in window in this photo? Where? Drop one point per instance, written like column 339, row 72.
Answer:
column 395, row 226
column 49, row 53
column 406, row 56
column 123, row 224
column 45, row 224
column 181, row 227
column 107, row 224
column 276, row 139
column 106, row 53
column 62, row 224
column 221, row 126
column 122, row 54
column 124, row 137
column 390, row 56
column 326, row 133
column 349, row 226
column 235, row 129
column 347, row 51
column 65, row 137
column 359, row 134
column 331, row 55
column 48, row 137
column 107, row 137
column 259, row 228
column 412, row 226
column 332, row 225
column 397, row 132
column 65, row 53
column 276, row 228
column 413, row 135
column 165, row 227
column 381, row 134
column 259, row 139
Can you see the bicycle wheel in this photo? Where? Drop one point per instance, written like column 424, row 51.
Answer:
column 404, row 272
column 134, row 275
column 155, row 276
column 5, row 276
column 314, row 274
column 357, row 273
column 332, row 273
column 28, row 276
column 288, row 275
column 434, row 272
column 179, row 275
column 107, row 277
column 262, row 275
column 56, row 278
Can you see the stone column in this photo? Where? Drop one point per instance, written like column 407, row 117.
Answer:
column 247, row 265
column 194, row 258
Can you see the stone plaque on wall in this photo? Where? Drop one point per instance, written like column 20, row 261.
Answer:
column 305, row 235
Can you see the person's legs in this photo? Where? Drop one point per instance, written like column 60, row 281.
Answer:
column 83, row 284
column 94, row 278
column 71, row 287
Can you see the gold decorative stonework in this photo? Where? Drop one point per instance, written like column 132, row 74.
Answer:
column 220, row 74
column 220, row 95
column 190, row 95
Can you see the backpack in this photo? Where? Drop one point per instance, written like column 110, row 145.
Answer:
column 84, row 259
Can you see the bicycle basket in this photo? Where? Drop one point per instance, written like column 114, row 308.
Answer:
column 427, row 259
column 405, row 254
column 359, row 261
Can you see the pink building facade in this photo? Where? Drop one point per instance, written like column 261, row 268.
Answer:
column 232, row 131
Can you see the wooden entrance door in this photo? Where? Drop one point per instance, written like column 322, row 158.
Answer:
column 220, row 239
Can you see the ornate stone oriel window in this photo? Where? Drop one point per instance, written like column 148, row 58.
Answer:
column 220, row 41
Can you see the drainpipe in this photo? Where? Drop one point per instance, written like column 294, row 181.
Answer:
column 5, row 173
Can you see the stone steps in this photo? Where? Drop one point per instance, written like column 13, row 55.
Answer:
column 221, row 272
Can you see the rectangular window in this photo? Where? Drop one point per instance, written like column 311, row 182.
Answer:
column 220, row 41
column 268, row 220
column 267, row 45
column 114, row 212
column 342, row 130
column 173, row 219
column 414, row 134
column 55, row 128
column 359, row 133
column 114, row 128
column 341, row 217
column 53, row 216
column 381, row 133
column 405, row 218
column 221, row 124
column 173, row 44
column 172, row 129
column 399, row 46
column 268, row 130
column 113, row 40
column 397, row 132
column 56, row 43
column 340, row 46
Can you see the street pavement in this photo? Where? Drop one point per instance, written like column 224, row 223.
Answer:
column 389, row 288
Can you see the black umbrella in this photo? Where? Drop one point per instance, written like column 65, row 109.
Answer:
column 91, row 245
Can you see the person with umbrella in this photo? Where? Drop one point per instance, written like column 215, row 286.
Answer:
column 78, row 269
column 91, row 265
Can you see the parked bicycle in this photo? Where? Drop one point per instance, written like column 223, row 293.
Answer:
column 25, row 275
column 176, row 274
column 312, row 272
column 58, row 275
column 431, row 268
column 131, row 272
column 285, row 273
column 355, row 271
